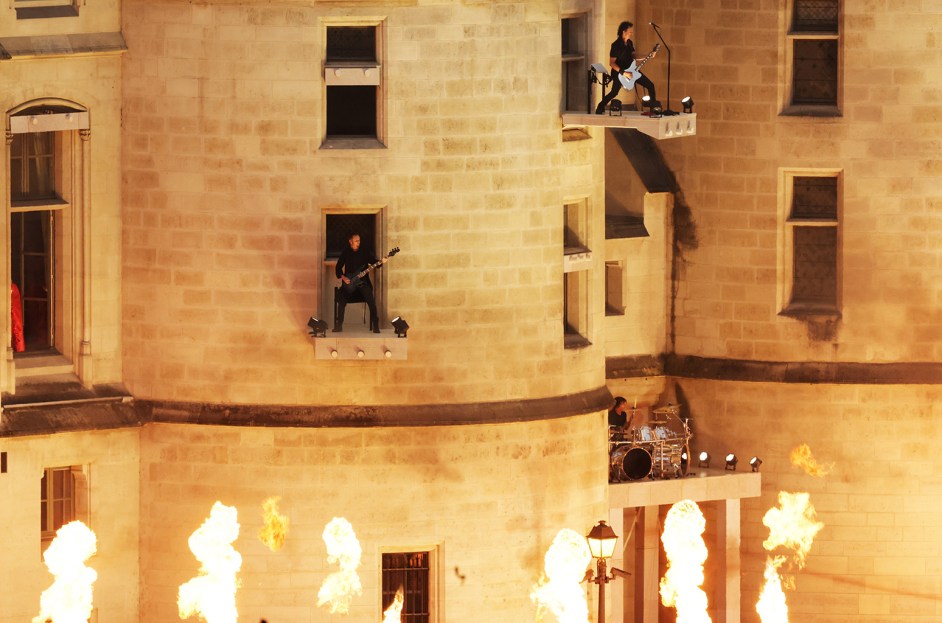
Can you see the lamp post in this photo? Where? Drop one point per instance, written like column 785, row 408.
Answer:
column 601, row 539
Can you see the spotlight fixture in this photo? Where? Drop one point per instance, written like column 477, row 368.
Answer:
column 704, row 459
column 687, row 103
column 731, row 461
column 755, row 462
column 318, row 327
column 400, row 325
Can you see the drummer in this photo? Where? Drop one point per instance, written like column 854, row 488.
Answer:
column 618, row 420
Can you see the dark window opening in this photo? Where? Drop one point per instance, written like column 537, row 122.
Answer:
column 815, row 72
column 351, row 43
column 814, row 198
column 341, row 226
column 31, row 167
column 815, row 16
column 408, row 572
column 31, row 260
column 351, row 111
column 815, row 267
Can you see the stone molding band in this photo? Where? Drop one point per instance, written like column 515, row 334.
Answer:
column 838, row 372
column 43, row 419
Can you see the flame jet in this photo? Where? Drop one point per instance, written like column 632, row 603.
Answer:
column 212, row 593
column 393, row 613
column 564, row 567
column 792, row 527
column 69, row 599
column 275, row 529
column 801, row 457
column 686, row 552
column 343, row 547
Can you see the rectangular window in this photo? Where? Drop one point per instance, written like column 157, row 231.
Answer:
column 36, row 210
column 614, row 289
column 63, row 498
column 409, row 573
column 338, row 227
column 812, row 242
column 814, row 59
column 577, row 262
column 575, row 65
column 38, row 9
column 353, row 78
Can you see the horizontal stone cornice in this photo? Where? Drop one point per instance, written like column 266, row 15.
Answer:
column 51, row 418
column 842, row 372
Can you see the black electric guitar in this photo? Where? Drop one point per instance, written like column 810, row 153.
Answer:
column 635, row 69
column 357, row 277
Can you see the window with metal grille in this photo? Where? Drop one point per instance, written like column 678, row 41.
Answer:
column 813, row 237
column 408, row 572
column 814, row 39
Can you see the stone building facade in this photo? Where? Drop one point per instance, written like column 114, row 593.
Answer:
column 207, row 157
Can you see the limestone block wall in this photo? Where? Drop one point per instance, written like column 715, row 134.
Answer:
column 488, row 499
column 877, row 557
column 732, row 61
column 226, row 183
column 642, row 329
column 112, row 461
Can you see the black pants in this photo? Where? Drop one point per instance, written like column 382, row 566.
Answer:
column 363, row 293
column 616, row 88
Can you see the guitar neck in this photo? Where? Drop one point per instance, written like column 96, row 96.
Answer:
column 363, row 272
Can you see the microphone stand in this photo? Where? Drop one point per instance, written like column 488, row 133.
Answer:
column 667, row 112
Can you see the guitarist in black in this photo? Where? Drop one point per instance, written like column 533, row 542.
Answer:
column 621, row 54
column 352, row 260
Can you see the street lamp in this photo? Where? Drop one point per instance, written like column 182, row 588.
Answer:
column 602, row 541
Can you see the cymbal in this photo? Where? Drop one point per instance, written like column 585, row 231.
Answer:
column 672, row 409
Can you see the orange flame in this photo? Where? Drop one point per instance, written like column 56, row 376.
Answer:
column 792, row 527
column 393, row 613
column 564, row 567
column 343, row 547
column 275, row 528
column 212, row 593
column 801, row 457
column 69, row 599
column 771, row 605
column 686, row 552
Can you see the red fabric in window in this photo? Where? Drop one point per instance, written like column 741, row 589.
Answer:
column 16, row 313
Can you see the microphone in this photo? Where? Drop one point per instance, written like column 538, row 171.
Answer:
column 653, row 24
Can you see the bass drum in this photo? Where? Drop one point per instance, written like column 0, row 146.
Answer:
column 631, row 463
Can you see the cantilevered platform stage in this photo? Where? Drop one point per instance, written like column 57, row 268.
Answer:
column 672, row 126
column 635, row 509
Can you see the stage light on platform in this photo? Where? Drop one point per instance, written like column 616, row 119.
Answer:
column 731, row 461
column 755, row 462
column 687, row 103
column 400, row 325
column 318, row 327
column 704, row 459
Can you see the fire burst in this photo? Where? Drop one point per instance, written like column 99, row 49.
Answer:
column 343, row 548
column 565, row 566
column 275, row 529
column 211, row 594
column 792, row 527
column 69, row 599
column 686, row 552
column 801, row 457
column 393, row 613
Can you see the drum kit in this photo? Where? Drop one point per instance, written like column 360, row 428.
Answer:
column 658, row 450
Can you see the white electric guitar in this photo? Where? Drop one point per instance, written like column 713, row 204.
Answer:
column 635, row 70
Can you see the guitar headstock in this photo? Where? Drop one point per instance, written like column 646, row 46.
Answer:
column 393, row 251
column 657, row 46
